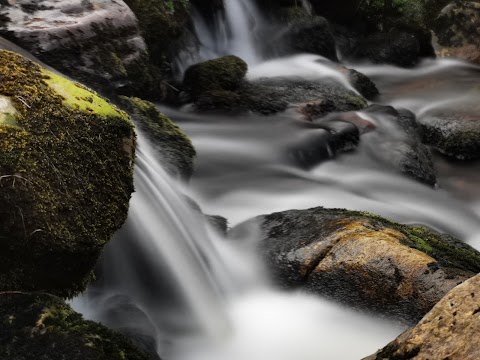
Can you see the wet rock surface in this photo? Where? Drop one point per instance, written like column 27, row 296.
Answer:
column 448, row 331
column 363, row 259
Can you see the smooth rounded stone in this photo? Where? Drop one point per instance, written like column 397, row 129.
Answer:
column 174, row 148
column 222, row 74
column 42, row 326
column 453, row 130
column 66, row 163
column 449, row 331
column 97, row 42
column 399, row 143
column 470, row 53
column 361, row 259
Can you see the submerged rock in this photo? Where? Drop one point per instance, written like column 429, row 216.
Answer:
column 454, row 130
column 174, row 147
column 98, row 43
column 66, row 162
column 41, row 326
column 363, row 259
column 449, row 331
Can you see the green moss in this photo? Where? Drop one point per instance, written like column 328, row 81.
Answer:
column 225, row 73
column 172, row 143
column 79, row 97
column 449, row 252
column 65, row 179
column 41, row 327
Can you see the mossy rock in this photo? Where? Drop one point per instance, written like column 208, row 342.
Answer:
column 162, row 22
column 172, row 144
column 43, row 327
column 225, row 73
column 66, row 164
column 362, row 259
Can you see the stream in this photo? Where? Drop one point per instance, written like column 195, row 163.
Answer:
column 181, row 288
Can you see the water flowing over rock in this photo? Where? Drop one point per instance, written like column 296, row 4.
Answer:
column 362, row 259
column 448, row 331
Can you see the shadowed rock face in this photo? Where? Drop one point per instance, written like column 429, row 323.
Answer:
column 363, row 259
column 96, row 42
column 41, row 326
column 449, row 331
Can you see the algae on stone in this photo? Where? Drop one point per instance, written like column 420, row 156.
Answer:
column 65, row 179
column 173, row 145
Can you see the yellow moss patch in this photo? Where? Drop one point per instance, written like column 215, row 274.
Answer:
column 78, row 96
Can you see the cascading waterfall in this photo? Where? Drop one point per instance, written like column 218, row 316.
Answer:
column 171, row 278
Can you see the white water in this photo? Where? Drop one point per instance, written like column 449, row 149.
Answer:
column 169, row 277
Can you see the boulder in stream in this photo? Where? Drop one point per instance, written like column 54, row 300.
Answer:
column 66, row 165
column 449, row 331
column 362, row 259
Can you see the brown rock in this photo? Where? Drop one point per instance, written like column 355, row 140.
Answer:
column 449, row 331
column 364, row 260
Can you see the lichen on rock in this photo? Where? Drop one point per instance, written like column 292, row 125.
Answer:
column 65, row 178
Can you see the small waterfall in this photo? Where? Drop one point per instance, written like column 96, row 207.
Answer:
column 233, row 32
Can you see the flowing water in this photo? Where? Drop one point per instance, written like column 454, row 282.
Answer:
column 176, row 284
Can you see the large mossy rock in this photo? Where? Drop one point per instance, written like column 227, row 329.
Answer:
column 174, row 147
column 362, row 259
column 43, row 327
column 66, row 163
column 96, row 42
column 449, row 331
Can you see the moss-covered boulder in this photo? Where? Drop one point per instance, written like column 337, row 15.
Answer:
column 362, row 259
column 449, row 331
column 96, row 42
column 66, row 161
column 222, row 74
column 43, row 327
column 174, row 147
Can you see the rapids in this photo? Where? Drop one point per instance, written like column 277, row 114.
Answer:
column 178, row 285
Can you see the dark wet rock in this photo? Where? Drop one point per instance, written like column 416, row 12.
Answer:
column 218, row 222
column 453, row 130
column 399, row 48
column 162, row 24
column 98, row 44
column 399, row 143
column 362, row 259
column 449, row 331
column 362, row 83
column 223, row 74
column 41, row 326
column 174, row 147
column 66, row 165
column 311, row 35
column 220, row 84
column 458, row 24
